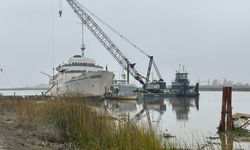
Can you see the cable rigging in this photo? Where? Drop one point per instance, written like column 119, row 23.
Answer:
column 124, row 38
column 86, row 19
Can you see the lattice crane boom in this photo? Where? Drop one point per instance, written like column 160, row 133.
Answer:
column 105, row 40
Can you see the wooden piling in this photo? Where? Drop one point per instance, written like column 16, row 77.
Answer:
column 223, row 112
column 229, row 109
column 226, row 122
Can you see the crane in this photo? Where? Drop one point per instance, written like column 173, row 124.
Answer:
column 160, row 85
column 105, row 40
column 151, row 60
column 109, row 45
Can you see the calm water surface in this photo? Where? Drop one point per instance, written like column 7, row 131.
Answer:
column 21, row 92
column 185, row 118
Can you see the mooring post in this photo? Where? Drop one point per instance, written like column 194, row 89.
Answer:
column 229, row 109
column 226, row 122
column 223, row 112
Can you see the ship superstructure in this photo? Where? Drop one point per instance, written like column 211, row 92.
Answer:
column 181, row 85
column 80, row 77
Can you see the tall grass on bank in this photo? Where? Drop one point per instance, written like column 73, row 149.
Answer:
column 73, row 121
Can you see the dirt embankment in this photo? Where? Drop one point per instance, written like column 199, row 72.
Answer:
column 13, row 137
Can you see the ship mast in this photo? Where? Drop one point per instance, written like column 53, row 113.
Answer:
column 83, row 45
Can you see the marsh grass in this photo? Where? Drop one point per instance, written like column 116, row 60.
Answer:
column 76, row 121
column 81, row 124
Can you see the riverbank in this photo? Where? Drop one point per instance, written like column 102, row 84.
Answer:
column 12, row 136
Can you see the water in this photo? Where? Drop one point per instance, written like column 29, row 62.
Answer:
column 185, row 118
column 21, row 92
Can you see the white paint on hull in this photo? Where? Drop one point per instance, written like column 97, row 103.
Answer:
column 93, row 84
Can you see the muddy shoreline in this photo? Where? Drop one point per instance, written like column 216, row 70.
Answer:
column 13, row 136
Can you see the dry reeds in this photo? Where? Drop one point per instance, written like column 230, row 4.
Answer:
column 74, row 121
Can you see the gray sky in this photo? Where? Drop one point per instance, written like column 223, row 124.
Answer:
column 212, row 37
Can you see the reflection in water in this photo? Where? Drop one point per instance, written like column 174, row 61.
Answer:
column 182, row 106
column 138, row 110
column 151, row 106
column 121, row 106
column 226, row 142
column 194, row 114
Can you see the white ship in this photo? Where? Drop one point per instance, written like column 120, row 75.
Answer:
column 80, row 77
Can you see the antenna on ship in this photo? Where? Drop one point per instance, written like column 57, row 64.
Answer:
column 83, row 45
column 53, row 75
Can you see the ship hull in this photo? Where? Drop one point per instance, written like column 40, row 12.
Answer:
column 93, row 84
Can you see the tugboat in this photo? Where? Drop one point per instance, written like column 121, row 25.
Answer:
column 181, row 85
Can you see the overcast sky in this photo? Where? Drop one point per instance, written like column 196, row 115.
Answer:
column 210, row 37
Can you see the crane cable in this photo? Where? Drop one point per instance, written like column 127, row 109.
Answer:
column 115, row 31
column 60, row 8
column 123, row 37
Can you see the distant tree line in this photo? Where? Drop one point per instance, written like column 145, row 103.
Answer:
column 225, row 82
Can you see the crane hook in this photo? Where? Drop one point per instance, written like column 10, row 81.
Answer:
column 60, row 8
column 60, row 13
